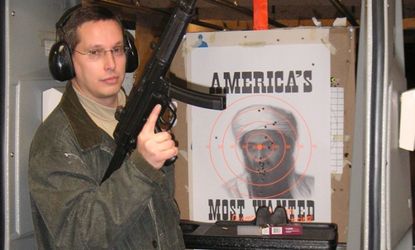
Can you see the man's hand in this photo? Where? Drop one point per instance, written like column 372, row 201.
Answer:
column 156, row 148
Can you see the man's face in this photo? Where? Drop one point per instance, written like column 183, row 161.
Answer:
column 267, row 154
column 99, row 79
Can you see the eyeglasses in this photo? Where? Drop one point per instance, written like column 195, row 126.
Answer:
column 99, row 53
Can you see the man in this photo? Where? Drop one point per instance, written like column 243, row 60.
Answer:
column 135, row 207
column 267, row 137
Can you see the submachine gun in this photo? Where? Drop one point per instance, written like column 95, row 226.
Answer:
column 154, row 89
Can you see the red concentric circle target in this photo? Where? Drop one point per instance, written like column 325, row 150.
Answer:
column 230, row 159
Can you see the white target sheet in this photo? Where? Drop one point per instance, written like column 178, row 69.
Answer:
column 271, row 145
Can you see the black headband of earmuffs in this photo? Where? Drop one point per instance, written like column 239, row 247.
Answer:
column 60, row 55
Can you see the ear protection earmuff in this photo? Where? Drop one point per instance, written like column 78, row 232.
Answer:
column 131, row 54
column 60, row 55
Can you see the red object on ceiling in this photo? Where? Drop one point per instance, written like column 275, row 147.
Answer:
column 260, row 8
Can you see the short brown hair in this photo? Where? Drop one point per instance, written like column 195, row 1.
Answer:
column 81, row 15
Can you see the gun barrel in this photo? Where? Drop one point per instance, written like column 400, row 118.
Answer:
column 173, row 33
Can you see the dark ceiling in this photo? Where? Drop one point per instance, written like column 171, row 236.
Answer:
column 278, row 9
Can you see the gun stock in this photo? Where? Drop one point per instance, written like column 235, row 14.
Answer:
column 153, row 89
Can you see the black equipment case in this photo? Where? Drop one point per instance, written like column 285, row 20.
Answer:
column 201, row 235
column 249, row 234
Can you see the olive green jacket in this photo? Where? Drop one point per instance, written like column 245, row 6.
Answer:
column 133, row 209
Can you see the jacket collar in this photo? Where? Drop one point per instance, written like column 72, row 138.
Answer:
column 86, row 131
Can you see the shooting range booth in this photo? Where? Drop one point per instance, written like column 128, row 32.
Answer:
column 349, row 125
